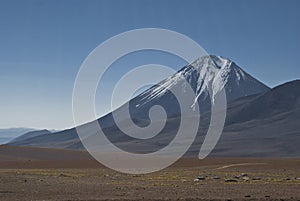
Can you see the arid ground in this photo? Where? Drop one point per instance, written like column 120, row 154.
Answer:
column 45, row 174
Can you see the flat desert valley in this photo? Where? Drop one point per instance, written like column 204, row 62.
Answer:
column 53, row 174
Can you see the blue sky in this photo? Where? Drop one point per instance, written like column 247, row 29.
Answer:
column 43, row 44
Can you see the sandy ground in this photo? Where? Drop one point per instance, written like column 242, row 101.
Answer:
column 85, row 179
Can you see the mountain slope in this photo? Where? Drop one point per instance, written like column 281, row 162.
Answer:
column 265, row 125
column 280, row 99
column 261, row 125
column 206, row 76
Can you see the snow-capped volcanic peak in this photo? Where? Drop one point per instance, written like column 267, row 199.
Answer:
column 217, row 66
column 207, row 76
column 214, row 72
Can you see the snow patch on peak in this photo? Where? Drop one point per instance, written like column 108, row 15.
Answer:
column 208, row 76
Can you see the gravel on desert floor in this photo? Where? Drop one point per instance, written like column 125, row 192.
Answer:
column 189, row 179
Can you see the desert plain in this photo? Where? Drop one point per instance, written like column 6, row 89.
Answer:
column 53, row 174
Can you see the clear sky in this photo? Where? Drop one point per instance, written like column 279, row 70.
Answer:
column 43, row 43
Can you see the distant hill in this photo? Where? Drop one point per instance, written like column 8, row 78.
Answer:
column 28, row 135
column 8, row 134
